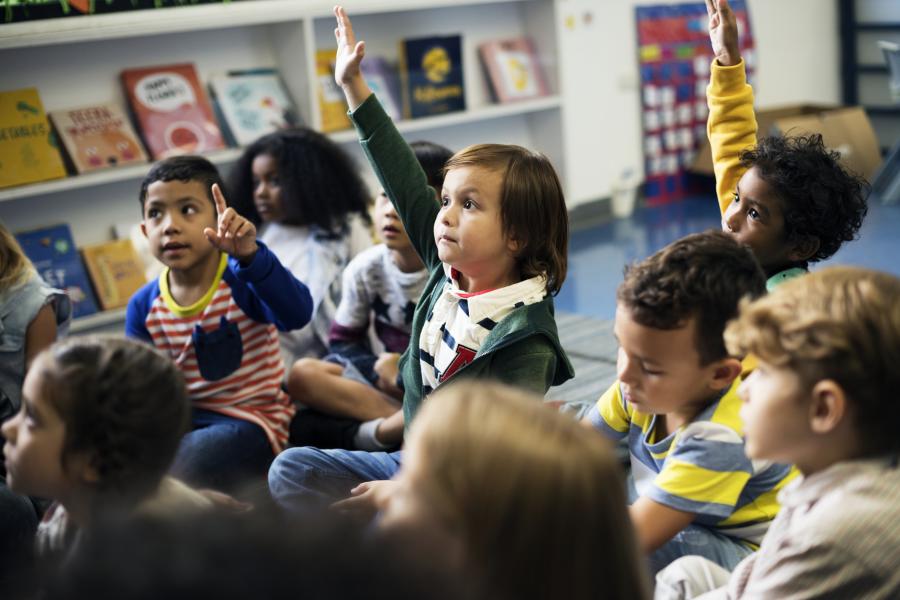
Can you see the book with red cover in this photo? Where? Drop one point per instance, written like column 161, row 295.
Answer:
column 513, row 69
column 97, row 137
column 172, row 110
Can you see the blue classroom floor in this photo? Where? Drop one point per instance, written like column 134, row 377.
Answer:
column 598, row 253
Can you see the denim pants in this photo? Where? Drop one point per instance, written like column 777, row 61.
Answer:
column 222, row 452
column 309, row 479
column 694, row 540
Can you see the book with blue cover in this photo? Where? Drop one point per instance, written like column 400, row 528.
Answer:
column 53, row 253
column 432, row 72
column 251, row 104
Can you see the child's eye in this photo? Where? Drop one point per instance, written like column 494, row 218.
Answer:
column 754, row 214
column 445, row 201
column 152, row 213
column 189, row 210
column 735, row 197
column 274, row 182
column 648, row 371
column 468, row 204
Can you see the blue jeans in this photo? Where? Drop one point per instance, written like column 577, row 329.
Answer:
column 309, row 479
column 694, row 540
column 223, row 453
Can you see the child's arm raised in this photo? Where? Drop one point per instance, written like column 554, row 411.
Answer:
column 731, row 126
column 398, row 171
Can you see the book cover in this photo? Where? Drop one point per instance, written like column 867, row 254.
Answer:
column 513, row 69
column 384, row 82
column 52, row 251
column 432, row 73
column 252, row 104
column 330, row 97
column 29, row 151
column 115, row 270
column 172, row 110
column 97, row 137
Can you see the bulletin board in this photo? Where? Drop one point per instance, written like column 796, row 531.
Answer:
column 674, row 57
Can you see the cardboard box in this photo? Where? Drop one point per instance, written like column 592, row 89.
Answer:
column 846, row 130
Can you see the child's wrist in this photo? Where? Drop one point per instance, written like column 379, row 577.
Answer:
column 245, row 260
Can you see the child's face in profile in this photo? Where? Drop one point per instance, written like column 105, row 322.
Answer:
column 775, row 414
column 659, row 370
column 390, row 228
column 175, row 215
column 34, row 442
column 469, row 229
column 755, row 218
column 267, row 188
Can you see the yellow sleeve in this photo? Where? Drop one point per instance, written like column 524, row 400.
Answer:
column 610, row 414
column 731, row 126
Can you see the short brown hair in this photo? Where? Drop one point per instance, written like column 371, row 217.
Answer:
column 532, row 206
column 840, row 323
column 703, row 275
column 537, row 499
column 123, row 404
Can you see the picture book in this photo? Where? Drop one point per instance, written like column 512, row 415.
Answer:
column 330, row 97
column 513, row 69
column 251, row 104
column 29, row 151
column 432, row 73
column 52, row 251
column 172, row 110
column 97, row 137
column 384, row 82
column 115, row 270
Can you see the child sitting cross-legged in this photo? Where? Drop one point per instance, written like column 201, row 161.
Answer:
column 675, row 402
column 100, row 422
column 216, row 310
column 353, row 390
column 823, row 397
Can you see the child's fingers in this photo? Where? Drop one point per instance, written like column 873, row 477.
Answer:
column 212, row 236
column 226, row 222
column 242, row 228
column 710, row 7
column 344, row 25
column 219, row 199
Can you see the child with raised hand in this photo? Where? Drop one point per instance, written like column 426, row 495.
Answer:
column 495, row 247
column 514, row 497
column 100, row 422
column 823, row 397
column 788, row 198
column 353, row 389
column 307, row 198
column 216, row 310
column 31, row 315
column 693, row 489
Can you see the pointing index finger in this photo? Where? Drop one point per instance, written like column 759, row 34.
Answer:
column 219, row 198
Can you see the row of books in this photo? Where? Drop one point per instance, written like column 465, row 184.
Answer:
column 169, row 107
column 99, row 277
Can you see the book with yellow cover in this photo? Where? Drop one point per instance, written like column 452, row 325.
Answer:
column 330, row 97
column 115, row 270
column 29, row 151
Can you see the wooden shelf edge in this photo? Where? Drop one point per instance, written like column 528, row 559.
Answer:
column 100, row 319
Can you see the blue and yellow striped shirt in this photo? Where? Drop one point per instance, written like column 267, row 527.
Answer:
column 700, row 468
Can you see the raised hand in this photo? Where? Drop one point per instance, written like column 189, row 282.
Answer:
column 346, row 66
column 723, row 32
column 235, row 234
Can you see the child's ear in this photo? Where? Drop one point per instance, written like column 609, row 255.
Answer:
column 513, row 246
column 724, row 372
column 828, row 408
column 143, row 229
column 804, row 248
column 81, row 467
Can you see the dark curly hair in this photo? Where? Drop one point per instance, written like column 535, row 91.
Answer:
column 820, row 198
column 123, row 404
column 703, row 275
column 183, row 168
column 432, row 157
column 320, row 184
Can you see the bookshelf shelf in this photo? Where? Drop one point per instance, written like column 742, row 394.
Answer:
column 97, row 321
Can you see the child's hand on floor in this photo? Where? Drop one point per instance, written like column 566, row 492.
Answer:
column 723, row 32
column 346, row 64
column 367, row 498
column 235, row 235
column 387, row 368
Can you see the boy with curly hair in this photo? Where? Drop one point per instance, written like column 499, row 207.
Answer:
column 789, row 199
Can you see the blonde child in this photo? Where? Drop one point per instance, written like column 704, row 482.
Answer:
column 354, row 389
column 823, row 397
column 306, row 196
column 100, row 421
column 788, row 198
column 515, row 497
column 31, row 315
column 495, row 247
column 693, row 489
column 216, row 310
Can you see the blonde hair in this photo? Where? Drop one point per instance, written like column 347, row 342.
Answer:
column 532, row 207
column 14, row 265
column 537, row 499
column 842, row 324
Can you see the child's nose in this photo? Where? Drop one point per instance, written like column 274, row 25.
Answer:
column 9, row 428
column 732, row 220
